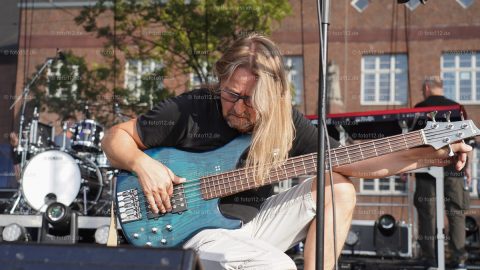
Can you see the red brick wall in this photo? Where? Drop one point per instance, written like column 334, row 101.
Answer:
column 432, row 29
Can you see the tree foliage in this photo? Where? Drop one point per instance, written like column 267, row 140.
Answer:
column 184, row 36
column 187, row 36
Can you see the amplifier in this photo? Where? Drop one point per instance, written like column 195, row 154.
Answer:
column 366, row 239
column 60, row 257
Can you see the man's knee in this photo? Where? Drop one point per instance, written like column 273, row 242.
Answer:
column 345, row 194
column 343, row 188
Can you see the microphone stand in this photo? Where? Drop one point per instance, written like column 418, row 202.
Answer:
column 23, row 149
column 323, row 7
column 23, row 97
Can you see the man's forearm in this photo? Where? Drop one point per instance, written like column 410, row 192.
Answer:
column 390, row 164
column 121, row 149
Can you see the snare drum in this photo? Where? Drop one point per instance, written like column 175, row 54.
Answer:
column 59, row 176
column 87, row 136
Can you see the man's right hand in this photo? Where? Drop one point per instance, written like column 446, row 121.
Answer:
column 157, row 183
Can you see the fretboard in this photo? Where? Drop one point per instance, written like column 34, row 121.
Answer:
column 228, row 183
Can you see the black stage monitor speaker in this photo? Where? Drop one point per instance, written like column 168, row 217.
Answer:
column 31, row 256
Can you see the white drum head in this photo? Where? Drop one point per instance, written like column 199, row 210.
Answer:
column 51, row 172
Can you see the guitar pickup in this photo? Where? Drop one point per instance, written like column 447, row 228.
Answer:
column 178, row 202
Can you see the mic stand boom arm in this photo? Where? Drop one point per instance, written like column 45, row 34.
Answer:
column 25, row 93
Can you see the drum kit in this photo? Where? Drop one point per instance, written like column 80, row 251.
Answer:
column 69, row 168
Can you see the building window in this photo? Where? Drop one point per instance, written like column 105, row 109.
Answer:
column 413, row 4
column 62, row 80
column 360, row 5
column 384, row 79
column 394, row 184
column 294, row 67
column 196, row 82
column 138, row 70
column 465, row 3
column 461, row 76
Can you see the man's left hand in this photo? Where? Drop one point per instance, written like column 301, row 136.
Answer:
column 460, row 150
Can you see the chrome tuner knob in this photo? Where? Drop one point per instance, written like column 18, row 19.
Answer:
column 148, row 244
column 163, row 241
column 154, row 230
column 169, row 227
column 450, row 151
column 136, row 235
column 433, row 114
column 447, row 115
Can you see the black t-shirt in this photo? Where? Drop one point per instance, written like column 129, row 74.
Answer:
column 194, row 122
column 442, row 101
column 436, row 101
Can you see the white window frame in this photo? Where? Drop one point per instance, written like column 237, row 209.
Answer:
column 413, row 6
column 457, row 69
column 136, row 92
column 463, row 5
column 288, row 62
column 58, row 66
column 353, row 3
column 392, row 71
column 376, row 190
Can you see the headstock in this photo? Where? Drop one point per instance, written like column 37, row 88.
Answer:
column 440, row 134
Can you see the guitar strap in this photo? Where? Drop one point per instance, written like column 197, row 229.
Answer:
column 112, row 240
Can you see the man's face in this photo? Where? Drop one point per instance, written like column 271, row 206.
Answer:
column 237, row 114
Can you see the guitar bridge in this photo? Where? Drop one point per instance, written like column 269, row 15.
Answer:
column 178, row 202
column 129, row 205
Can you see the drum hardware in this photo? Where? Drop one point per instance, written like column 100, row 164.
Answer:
column 35, row 138
column 85, row 189
column 87, row 136
column 41, row 135
column 23, row 98
column 64, row 136
column 81, row 178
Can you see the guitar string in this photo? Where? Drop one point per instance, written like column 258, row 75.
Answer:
column 339, row 155
column 241, row 172
column 341, row 152
column 218, row 183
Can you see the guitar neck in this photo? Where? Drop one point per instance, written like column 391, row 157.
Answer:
column 228, row 183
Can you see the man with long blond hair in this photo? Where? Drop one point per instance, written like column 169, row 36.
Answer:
column 253, row 97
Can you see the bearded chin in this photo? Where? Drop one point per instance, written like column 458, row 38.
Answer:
column 242, row 126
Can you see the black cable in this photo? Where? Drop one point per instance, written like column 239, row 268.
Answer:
column 320, row 237
column 334, row 214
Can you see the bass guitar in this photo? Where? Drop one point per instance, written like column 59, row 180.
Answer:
column 213, row 174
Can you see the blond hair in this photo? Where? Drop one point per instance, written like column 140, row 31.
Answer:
column 274, row 131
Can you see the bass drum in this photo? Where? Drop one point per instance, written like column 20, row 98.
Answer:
column 62, row 177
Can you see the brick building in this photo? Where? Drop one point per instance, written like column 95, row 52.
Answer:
column 379, row 52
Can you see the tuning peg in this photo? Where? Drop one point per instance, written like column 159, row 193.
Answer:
column 432, row 115
column 450, row 151
column 447, row 115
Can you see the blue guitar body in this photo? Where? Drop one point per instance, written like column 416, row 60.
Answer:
column 192, row 213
